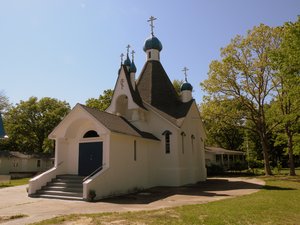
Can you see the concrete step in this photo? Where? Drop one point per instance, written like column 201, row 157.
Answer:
column 60, row 193
column 68, row 187
column 63, row 197
column 70, row 177
column 65, row 184
column 59, row 188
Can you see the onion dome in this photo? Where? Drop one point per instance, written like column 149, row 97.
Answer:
column 152, row 43
column 186, row 87
column 132, row 67
column 127, row 61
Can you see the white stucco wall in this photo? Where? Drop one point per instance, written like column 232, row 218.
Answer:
column 193, row 158
column 71, row 134
column 123, row 174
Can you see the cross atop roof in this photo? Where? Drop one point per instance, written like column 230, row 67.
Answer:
column 185, row 69
column 132, row 54
column 151, row 19
column 122, row 55
column 128, row 47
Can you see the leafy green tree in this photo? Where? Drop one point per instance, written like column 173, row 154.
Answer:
column 286, row 106
column 4, row 102
column 244, row 74
column 177, row 85
column 223, row 131
column 101, row 103
column 30, row 122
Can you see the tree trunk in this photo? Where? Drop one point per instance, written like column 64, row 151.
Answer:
column 290, row 150
column 264, row 143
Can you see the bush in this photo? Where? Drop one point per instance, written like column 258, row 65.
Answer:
column 238, row 166
column 214, row 169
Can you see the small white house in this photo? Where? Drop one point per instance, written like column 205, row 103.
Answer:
column 223, row 157
column 149, row 135
column 17, row 164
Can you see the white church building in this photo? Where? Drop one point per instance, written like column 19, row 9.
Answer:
column 149, row 136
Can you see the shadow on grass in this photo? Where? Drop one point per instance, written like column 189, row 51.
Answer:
column 210, row 188
column 275, row 188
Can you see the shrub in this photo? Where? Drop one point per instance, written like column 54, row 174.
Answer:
column 214, row 169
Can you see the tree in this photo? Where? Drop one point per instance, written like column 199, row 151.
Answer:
column 244, row 74
column 177, row 85
column 30, row 122
column 222, row 131
column 286, row 106
column 103, row 102
column 4, row 102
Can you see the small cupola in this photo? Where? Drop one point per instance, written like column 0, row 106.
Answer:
column 132, row 65
column 127, row 61
column 152, row 45
column 186, row 88
column 132, row 70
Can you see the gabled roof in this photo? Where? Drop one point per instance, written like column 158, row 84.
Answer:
column 117, row 124
column 155, row 88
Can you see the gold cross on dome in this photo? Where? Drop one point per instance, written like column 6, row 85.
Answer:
column 151, row 19
column 185, row 73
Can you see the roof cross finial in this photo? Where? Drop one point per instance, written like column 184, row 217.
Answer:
column 128, row 47
column 132, row 54
column 122, row 55
column 185, row 69
column 151, row 19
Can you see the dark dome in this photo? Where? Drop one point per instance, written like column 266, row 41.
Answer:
column 132, row 67
column 186, row 87
column 152, row 43
column 127, row 61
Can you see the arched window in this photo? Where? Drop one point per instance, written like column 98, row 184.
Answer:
column 167, row 134
column 193, row 139
column 90, row 134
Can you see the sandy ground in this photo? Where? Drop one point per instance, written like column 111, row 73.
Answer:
column 15, row 201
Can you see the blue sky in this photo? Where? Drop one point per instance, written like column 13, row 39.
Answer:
column 69, row 49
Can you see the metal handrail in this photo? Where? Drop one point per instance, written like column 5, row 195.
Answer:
column 58, row 164
column 93, row 173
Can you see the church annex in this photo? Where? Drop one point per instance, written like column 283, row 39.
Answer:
column 149, row 136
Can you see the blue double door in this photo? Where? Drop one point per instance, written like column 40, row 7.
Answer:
column 90, row 157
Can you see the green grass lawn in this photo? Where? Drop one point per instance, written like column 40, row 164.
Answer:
column 15, row 182
column 277, row 203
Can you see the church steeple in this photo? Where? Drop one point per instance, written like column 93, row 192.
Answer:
column 186, row 88
column 127, row 61
column 132, row 70
column 152, row 45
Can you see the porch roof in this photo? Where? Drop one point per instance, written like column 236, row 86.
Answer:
column 222, row 151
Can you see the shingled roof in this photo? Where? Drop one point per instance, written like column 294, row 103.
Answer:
column 156, row 89
column 117, row 124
